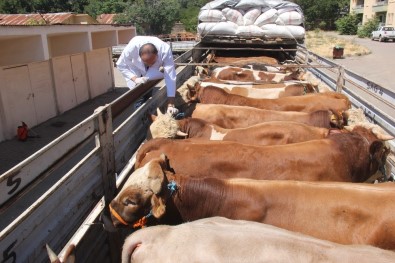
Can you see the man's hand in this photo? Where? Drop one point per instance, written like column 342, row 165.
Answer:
column 172, row 110
column 141, row 80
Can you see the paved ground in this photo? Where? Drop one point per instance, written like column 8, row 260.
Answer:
column 378, row 66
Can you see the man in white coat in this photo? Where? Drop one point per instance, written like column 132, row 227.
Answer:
column 140, row 61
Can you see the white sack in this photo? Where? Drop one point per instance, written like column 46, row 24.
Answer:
column 251, row 15
column 219, row 4
column 247, row 4
column 233, row 15
column 267, row 17
column 290, row 18
column 211, row 15
column 249, row 31
column 219, row 28
column 272, row 30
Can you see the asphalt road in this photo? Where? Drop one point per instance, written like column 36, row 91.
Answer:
column 379, row 66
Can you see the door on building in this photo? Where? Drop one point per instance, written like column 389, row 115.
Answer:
column 70, row 81
column 17, row 99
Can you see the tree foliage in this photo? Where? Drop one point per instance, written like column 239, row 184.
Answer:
column 95, row 7
column 41, row 6
column 189, row 14
column 348, row 25
column 151, row 17
column 323, row 12
column 367, row 29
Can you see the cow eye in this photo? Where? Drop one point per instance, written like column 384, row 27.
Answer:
column 129, row 202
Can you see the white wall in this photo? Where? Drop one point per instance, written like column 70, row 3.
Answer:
column 21, row 50
column 36, row 92
column 65, row 44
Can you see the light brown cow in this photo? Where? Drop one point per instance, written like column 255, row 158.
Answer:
column 223, row 240
column 205, row 82
column 337, row 208
column 250, row 91
column 343, row 157
column 228, row 116
column 248, row 75
column 334, row 102
column 243, row 60
column 268, row 133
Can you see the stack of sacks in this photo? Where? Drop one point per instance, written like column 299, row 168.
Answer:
column 253, row 18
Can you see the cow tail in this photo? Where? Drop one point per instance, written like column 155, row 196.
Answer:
column 320, row 119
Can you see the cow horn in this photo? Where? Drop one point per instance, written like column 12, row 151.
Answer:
column 153, row 117
column 159, row 112
column 349, row 128
column 380, row 135
column 183, row 134
column 52, row 256
column 384, row 137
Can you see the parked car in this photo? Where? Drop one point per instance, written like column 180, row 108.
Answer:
column 383, row 33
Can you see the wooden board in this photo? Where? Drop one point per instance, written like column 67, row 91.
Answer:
column 21, row 175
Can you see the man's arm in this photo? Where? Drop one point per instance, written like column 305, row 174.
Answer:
column 125, row 62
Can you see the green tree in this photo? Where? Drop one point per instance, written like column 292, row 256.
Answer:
column 97, row 7
column 348, row 25
column 41, row 6
column 316, row 11
column 367, row 29
column 151, row 17
column 15, row 6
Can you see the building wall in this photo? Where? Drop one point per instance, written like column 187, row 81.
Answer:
column 36, row 92
column 47, row 70
column 374, row 8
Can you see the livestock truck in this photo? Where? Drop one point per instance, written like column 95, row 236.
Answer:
column 40, row 207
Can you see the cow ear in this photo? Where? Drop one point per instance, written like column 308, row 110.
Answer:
column 153, row 117
column 156, row 179
column 158, row 206
column 375, row 147
column 159, row 112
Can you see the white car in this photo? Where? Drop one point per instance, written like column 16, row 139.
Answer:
column 383, row 33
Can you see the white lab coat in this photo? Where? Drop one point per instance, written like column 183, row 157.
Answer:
column 130, row 63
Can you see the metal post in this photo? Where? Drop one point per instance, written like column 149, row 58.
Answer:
column 340, row 80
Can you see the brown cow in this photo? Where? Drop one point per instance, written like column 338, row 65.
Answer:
column 229, row 116
column 218, row 239
column 334, row 102
column 248, row 75
column 250, row 91
column 268, row 133
column 343, row 157
column 243, row 60
column 337, row 208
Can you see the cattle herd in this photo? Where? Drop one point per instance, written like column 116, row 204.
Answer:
column 265, row 167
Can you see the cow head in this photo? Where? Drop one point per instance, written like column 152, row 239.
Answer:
column 164, row 126
column 141, row 195
column 201, row 72
column 183, row 94
column 374, row 136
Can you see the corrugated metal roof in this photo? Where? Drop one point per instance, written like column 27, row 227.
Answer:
column 105, row 18
column 33, row 19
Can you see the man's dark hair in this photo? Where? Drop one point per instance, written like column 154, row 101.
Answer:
column 152, row 49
